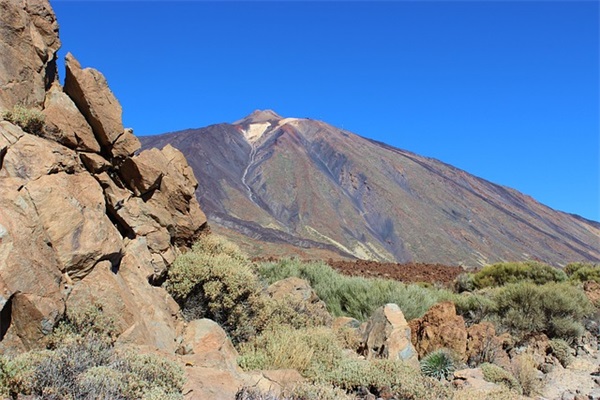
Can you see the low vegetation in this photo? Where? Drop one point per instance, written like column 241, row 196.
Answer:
column 30, row 120
column 439, row 364
column 82, row 363
column 354, row 296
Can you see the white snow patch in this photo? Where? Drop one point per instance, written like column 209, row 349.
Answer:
column 255, row 131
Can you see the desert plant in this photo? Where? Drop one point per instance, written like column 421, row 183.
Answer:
column 474, row 307
column 524, row 369
column 307, row 350
column 464, row 283
column 30, row 120
column 562, row 351
column 556, row 309
column 219, row 286
column 439, row 364
column 583, row 272
column 354, row 296
column 496, row 374
column 505, row 273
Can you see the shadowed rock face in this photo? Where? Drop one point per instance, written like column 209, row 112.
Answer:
column 308, row 184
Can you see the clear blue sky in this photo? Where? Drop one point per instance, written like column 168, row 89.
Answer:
column 507, row 90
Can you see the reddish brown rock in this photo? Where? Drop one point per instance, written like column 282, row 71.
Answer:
column 95, row 163
column 144, row 172
column 72, row 211
column 90, row 92
column 125, row 145
column 439, row 328
column 28, row 44
column 65, row 124
column 31, row 297
column 482, row 344
column 31, row 157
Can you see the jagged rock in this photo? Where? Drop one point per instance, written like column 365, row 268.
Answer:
column 95, row 163
column 90, row 92
column 303, row 298
column 439, row 328
column 72, row 211
column 387, row 335
column 126, row 145
column 28, row 44
column 144, row 172
column 32, row 157
column 65, row 124
column 31, row 299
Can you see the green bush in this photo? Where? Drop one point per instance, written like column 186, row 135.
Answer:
column 308, row 350
column 474, row 307
column 30, row 120
column 583, row 272
column 213, row 281
column 439, row 364
column 562, row 351
column 496, row 374
column 404, row 381
column 354, row 296
column 556, row 309
column 505, row 273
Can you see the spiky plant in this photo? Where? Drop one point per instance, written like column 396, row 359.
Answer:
column 439, row 364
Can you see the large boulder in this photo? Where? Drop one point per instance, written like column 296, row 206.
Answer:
column 387, row 335
column 72, row 211
column 31, row 297
column 90, row 92
column 65, row 124
column 28, row 44
column 440, row 327
column 31, row 157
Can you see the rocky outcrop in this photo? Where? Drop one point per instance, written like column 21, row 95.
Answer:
column 28, row 44
column 82, row 220
column 301, row 296
column 439, row 328
column 388, row 335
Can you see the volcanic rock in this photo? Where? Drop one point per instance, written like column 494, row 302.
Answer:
column 90, row 92
column 440, row 327
column 388, row 335
column 65, row 124
column 28, row 44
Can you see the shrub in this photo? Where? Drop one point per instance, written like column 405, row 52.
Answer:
column 83, row 364
column 583, row 272
column 404, row 381
column 354, row 296
column 562, row 351
column 219, row 286
column 495, row 374
column 30, row 120
column 556, row 309
column 439, row 364
column 307, row 350
column 524, row 370
column 505, row 273
column 464, row 283
column 474, row 307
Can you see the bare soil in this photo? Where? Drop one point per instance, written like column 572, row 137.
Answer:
column 410, row 273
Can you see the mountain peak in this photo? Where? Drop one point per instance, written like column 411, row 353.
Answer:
column 259, row 116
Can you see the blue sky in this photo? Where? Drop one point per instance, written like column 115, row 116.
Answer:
column 507, row 90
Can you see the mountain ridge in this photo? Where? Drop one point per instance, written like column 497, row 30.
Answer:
column 367, row 199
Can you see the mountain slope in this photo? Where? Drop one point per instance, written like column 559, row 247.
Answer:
column 310, row 185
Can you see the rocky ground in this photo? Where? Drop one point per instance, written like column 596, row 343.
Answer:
column 410, row 272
